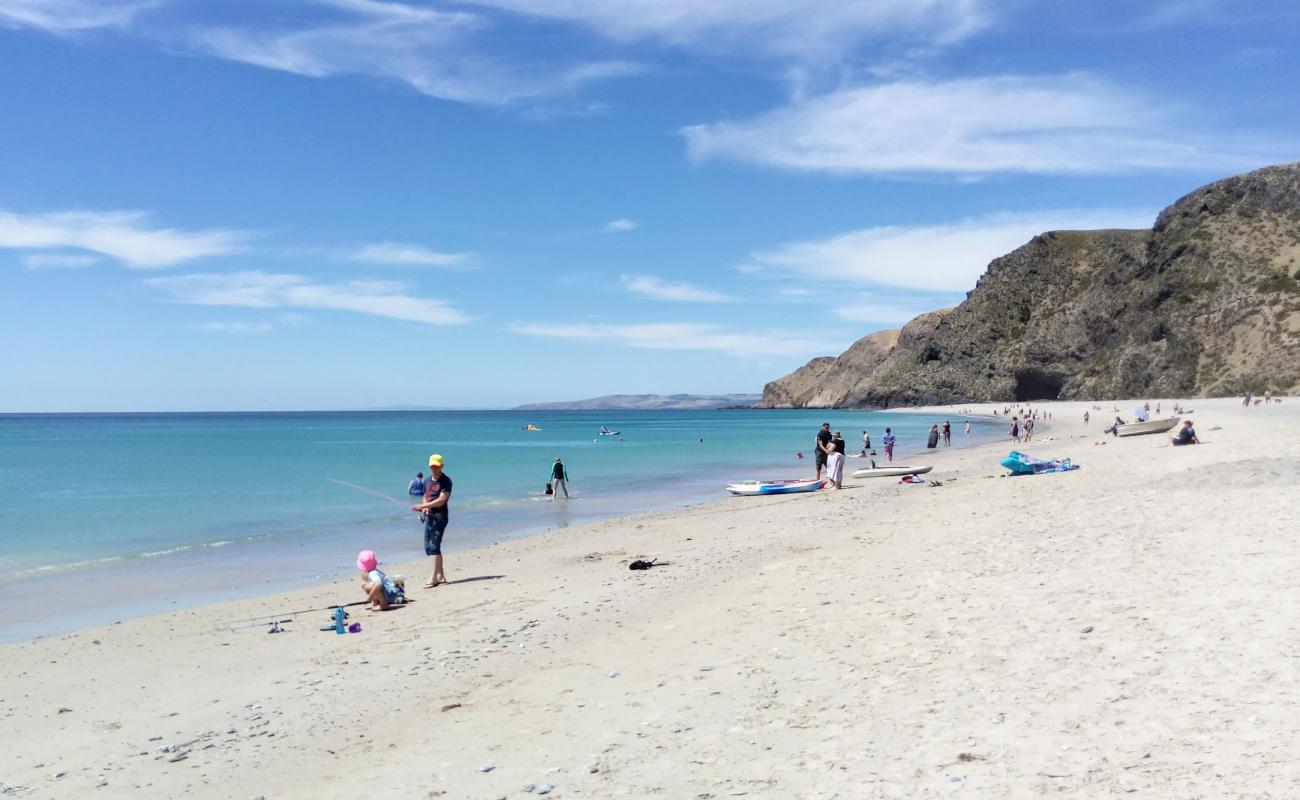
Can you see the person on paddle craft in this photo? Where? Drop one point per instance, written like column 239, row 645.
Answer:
column 382, row 591
column 437, row 493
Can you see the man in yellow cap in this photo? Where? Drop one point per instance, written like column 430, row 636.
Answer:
column 437, row 492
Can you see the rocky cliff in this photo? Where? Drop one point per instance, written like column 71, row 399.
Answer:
column 1207, row 302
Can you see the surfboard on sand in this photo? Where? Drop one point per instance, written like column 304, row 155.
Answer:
column 890, row 472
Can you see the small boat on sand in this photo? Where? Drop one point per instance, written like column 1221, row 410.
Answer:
column 1151, row 426
column 775, row 487
column 890, row 472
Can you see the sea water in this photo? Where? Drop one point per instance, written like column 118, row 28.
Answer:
column 105, row 515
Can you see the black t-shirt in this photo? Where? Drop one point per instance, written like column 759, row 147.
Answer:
column 839, row 445
column 823, row 437
column 558, row 473
column 434, row 488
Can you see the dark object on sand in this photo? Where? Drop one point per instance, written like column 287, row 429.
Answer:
column 639, row 564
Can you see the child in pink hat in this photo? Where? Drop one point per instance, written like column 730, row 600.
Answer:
column 382, row 591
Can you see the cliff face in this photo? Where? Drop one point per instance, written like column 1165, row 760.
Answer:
column 825, row 381
column 1207, row 302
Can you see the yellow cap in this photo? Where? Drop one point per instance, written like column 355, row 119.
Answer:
column 435, row 460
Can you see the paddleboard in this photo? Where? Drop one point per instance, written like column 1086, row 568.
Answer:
column 890, row 472
column 774, row 487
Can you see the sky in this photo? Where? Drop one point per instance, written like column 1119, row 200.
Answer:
column 327, row 204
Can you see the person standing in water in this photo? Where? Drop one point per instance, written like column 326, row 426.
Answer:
column 417, row 485
column 889, row 440
column 947, row 433
column 866, row 443
column 559, row 479
column 968, row 427
column 437, row 493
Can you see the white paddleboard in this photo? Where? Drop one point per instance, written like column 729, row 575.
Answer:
column 890, row 472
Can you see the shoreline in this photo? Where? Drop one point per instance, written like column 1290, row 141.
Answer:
column 1123, row 628
column 202, row 574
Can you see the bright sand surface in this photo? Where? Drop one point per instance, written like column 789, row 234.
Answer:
column 1129, row 627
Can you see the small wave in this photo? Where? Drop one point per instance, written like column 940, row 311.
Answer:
column 69, row 566
column 167, row 552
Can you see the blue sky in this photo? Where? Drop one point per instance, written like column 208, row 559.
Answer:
column 307, row 204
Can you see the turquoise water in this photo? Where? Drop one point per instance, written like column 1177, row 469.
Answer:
column 245, row 500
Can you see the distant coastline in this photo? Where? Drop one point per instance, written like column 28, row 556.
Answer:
column 648, row 402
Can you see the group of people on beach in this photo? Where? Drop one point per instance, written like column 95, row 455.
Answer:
column 829, row 449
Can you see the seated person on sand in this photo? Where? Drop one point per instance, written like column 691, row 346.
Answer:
column 1185, row 435
column 382, row 591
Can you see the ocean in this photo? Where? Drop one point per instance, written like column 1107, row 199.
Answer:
column 110, row 515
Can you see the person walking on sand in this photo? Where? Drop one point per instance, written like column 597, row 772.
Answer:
column 889, row 440
column 559, row 479
column 947, row 433
column 437, row 493
column 822, row 443
column 1085, row 418
column 1029, row 428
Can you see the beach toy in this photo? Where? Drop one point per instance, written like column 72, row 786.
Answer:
column 354, row 627
column 339, row 616
column 366, row 560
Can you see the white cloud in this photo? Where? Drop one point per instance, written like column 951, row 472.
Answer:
column 620, row 226
column 121, row 235
column 947, row 257
column 64, row 16
column 58, row 260
column 683, row 336
column 803, row 29
column 233, row 327
column 880, row 311
column 255, row 289
column 658, row 289
column 405, row 255
column 1062, row 124
column 436, row 52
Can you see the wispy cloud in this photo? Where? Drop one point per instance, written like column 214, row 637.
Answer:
column 894, row 309
column 682, row 336
column 620, row 226
column 437, row 52
column 803, row 29
column 121, row 235
column 659, row 289
column 239, row 328
column 64, row 16
column 59, row 260
column 255, row 289
column 1066, row 124
column 947, row 257
column 406, row 255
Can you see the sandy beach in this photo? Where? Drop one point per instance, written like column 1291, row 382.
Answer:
column 1127, row 628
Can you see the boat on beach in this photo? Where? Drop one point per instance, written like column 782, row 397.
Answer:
column 750, row 488
column 890, row 472
column 1151, row 426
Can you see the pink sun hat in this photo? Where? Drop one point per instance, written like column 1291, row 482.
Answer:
column 366, row 560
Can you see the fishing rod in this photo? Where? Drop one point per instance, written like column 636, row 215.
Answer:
column 266, row 618
column 401, row 503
